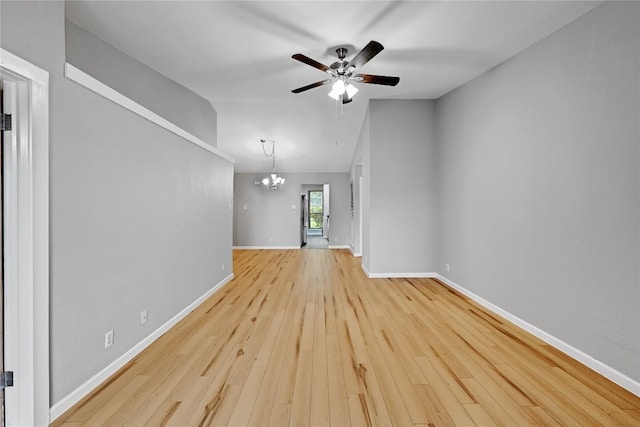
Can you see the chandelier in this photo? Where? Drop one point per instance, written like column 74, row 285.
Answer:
column 273, row 182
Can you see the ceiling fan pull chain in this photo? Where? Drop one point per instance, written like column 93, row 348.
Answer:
column 337, row 122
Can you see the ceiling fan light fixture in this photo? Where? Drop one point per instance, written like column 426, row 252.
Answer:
column 337, row 89
column 334, row 94
column 351, row 90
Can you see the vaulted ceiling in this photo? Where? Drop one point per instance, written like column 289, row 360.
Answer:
column 237, row 54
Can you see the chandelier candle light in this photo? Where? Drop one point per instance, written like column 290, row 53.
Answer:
column 273, row 181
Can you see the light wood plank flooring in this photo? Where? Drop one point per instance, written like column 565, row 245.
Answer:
column 304, row 338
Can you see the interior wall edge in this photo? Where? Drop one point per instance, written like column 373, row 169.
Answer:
column 138, row 81
column 80, row 77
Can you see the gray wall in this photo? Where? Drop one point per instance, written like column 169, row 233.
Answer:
column 400, row 169
column 140, row 218
column 539, row 185
column 158, row 93
column 269, row 219
column 304, row 189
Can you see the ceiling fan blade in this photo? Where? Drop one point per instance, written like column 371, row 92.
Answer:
column 376, row 80
column 311, row 86
column 315, row 64
column 369, row 51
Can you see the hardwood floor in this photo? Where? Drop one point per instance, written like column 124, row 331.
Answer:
column 304, row 338
column 316, row 242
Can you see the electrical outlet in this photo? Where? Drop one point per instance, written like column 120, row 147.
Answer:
column 108, row 339
column 143, row 317
column 222, row 267
column 335, row 238
column 447, row 267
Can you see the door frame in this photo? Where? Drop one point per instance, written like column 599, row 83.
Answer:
column 360, row 210
column 26, row 172
column 326, row 211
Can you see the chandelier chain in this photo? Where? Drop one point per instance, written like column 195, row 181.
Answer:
column 272, row 154
column 272, row 182
column 273, row 147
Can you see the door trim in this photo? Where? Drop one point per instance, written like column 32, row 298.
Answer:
column 27, row 229
column 360, row 210
column 326, row 211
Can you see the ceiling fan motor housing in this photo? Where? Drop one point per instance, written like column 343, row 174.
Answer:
column 339, row 66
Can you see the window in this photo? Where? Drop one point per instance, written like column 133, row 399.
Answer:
column 315, row 210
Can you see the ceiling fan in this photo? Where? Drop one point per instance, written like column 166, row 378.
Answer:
column 342, row 72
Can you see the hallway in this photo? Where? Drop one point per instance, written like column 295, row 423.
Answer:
column 316, row 242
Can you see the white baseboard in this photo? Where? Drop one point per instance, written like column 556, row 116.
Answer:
column 402, row 275
column 605, row 370
column 353, row 250
column 78, row 394
column 398, row 275
column 339, row 247
column 365, row 269
column 247, row 248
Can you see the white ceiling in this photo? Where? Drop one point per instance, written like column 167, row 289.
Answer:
column 237, row 54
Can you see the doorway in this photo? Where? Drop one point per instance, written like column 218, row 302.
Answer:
column 25, row 188
column 314, row 216
column 316, row 213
